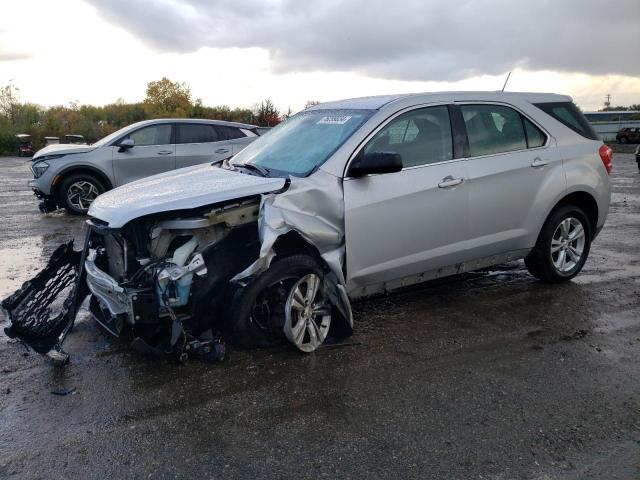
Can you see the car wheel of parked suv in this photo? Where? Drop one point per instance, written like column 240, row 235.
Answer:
column 624, row 139
column 287, row 299
column 562, row 247
column 78, row 191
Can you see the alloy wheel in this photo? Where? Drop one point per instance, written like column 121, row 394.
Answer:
column 81, row 194
column 307, row 314
column 567, row 244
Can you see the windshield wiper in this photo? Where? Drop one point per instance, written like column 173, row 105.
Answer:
column 222, row 160
column 250, row 166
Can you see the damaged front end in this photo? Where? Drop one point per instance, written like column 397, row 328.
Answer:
column 172, row 282
column 160, row 282
column 163, row 281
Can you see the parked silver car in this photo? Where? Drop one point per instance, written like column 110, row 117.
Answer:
column 72, row 176
column 343, row 200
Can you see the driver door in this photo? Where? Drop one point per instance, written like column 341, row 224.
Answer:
column 402, row 224
column 153, row 152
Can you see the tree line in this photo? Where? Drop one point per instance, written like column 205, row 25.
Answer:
column 164, row 99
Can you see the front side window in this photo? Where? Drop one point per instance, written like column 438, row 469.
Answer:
column 302, row 143
column 196, row 133
column 420, row 136
column 493, row 129
column 152, row 135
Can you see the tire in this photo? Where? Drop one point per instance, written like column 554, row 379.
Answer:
column 85, row 187
column 255, row 325
column 548, row 266
column 624, row 140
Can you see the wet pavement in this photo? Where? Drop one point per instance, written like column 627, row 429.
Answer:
column 490, row 375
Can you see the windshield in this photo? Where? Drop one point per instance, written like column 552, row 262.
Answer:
column 303, row 142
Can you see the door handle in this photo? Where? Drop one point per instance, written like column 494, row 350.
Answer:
column 222, row 150
column 165, row 152
column 448, row 182
column 538, row 162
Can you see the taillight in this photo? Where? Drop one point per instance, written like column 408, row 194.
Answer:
column 606, row 154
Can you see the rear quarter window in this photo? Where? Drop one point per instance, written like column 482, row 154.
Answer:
column 535, row 137
column 570, row 116
column 229, row 133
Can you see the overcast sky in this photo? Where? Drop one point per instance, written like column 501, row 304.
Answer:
column 238, row 52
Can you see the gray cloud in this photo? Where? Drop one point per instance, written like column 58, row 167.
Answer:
column 401, row 39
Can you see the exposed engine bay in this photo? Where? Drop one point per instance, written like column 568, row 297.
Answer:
column 164, row 278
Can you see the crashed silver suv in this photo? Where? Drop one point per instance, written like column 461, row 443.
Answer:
column 342, row 201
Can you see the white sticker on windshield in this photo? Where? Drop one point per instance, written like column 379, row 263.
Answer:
column 334, row 120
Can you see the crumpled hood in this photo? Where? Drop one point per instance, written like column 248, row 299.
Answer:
column 62, row 149
column 181, row 189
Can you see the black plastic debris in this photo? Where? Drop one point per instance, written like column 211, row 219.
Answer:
column 64, row 391
column 42, row 311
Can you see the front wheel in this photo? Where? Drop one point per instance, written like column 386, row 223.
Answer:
column 288, row 300
column 624, row 139
column 78, row 192
column 562, row 247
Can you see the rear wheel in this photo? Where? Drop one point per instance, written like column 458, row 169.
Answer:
column 286, row 301
column 624, row 139
column 562, row 247
column 78, row 192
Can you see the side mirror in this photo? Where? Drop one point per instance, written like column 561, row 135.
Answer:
column 375, row 162
column 126, row 144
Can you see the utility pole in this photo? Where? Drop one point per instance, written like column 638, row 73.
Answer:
column 607, row 102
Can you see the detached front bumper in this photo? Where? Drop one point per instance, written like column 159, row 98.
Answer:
column 43, row 310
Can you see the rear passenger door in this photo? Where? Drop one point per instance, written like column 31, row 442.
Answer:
column 198, row 143
column 512, row 166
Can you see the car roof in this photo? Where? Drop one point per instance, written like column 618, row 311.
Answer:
column 192, row 120
column 378, row 102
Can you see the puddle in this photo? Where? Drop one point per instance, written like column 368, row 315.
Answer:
column 19, row 261
column 627, row 271
column 622, row 197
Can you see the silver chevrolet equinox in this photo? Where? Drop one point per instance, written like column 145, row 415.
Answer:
column 342, row 201
column 72, row 176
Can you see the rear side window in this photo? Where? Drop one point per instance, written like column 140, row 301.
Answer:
column 420, row 136
column 493, row 129
column 535, row 137
column 570, row 116
column 229, row 133
column 196, row 133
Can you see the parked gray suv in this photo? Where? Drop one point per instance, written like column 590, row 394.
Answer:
column 72, row 176
column 342, row 201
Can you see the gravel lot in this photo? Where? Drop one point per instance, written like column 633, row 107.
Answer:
column 490, row 375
